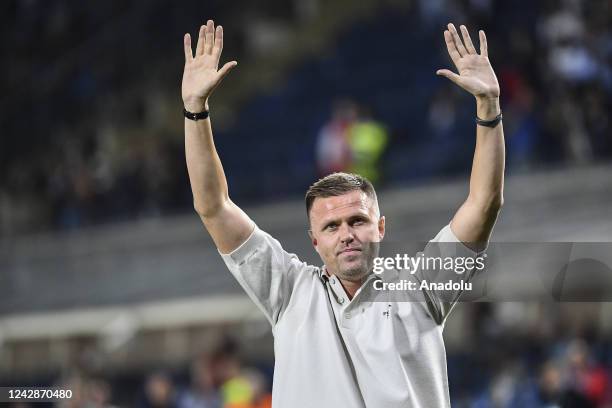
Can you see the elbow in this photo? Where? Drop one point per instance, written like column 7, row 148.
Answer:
column 495, row 204
column 491, row 204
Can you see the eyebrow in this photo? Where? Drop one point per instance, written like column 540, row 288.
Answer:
column 351, row 218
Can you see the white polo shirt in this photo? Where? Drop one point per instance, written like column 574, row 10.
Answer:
column 332, row 352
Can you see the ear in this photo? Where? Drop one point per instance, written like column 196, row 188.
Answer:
column 312, row 239
column 381, row 227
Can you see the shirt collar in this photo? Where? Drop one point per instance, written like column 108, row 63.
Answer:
column 338, row 290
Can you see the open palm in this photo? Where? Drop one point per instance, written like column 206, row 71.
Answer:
column 475, row 72
column 201, row 75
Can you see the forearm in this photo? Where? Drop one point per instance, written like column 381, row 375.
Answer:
column 487, row 178
column 227, row 224
column 208, row 183
column 474, row 220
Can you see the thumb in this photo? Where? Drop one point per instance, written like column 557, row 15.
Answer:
column 450, row 75
column 225, row 69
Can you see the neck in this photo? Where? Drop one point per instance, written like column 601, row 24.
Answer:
column 351, row 287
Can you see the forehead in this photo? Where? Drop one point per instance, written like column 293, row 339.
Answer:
column 330, row 207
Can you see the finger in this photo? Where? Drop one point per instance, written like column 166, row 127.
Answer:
column 467, row 40
column 450, row 46
column 210, row 37
column 187, row 47
column 484, row 49
column 460, row 48
column 218, row 47
column 201, row 39
column 450, row 75
column 225, row 69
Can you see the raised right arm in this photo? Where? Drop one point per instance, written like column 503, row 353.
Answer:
column 227, row 224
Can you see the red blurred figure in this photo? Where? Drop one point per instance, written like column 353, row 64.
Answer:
column 333, row 152
column 588, row 378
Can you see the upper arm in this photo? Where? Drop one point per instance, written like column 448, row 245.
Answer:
column 443, row 247
column 229, row 227
column 473, row 222
column 267, row 273
column 259, row 263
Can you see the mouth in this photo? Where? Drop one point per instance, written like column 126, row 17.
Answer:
column 349, row 251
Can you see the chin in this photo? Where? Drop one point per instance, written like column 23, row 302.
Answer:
column 354, row 273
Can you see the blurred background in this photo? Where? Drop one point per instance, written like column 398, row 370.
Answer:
column 110, row 286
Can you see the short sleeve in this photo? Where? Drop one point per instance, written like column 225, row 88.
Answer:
column 445, row 250
column 266, row 272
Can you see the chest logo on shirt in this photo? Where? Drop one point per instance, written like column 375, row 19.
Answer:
column 387, row 312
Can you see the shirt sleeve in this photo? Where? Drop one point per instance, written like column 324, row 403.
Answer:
column 266, row 272
column 453, row 262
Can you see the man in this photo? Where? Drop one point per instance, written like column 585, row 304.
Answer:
column 333, row 348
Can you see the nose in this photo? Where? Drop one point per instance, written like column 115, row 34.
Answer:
column 346, row 234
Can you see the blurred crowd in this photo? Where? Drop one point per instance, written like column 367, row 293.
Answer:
column 572, row 374
column 219, row 379
column 553, row 59
column 569, row 372
column 91, row 111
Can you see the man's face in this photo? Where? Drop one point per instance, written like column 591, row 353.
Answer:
column 345, row 231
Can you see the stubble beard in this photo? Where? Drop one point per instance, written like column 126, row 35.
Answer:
column 360, row 270
column 353, row 273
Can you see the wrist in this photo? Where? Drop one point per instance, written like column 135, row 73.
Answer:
column 487, row 108
column 196, row 105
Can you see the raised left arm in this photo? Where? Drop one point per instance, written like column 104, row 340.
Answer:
column 475, row 219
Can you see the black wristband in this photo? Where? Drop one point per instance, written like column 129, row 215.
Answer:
column 489, row 123
column 195, row 116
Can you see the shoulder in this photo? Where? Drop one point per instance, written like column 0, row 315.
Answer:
column 261, row 249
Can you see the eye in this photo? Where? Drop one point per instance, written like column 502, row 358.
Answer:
column 331, row 227
column 359, row 221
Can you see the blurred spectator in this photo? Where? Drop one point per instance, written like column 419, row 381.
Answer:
column 585, row 376
column 159, row 392
column 99, row 394
column 367, row 140
column 441, row 144
column 202, row 393
column 520, row 119
column 553, row 392
column 240, row 388
column 252, row 383
column 333, row 152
